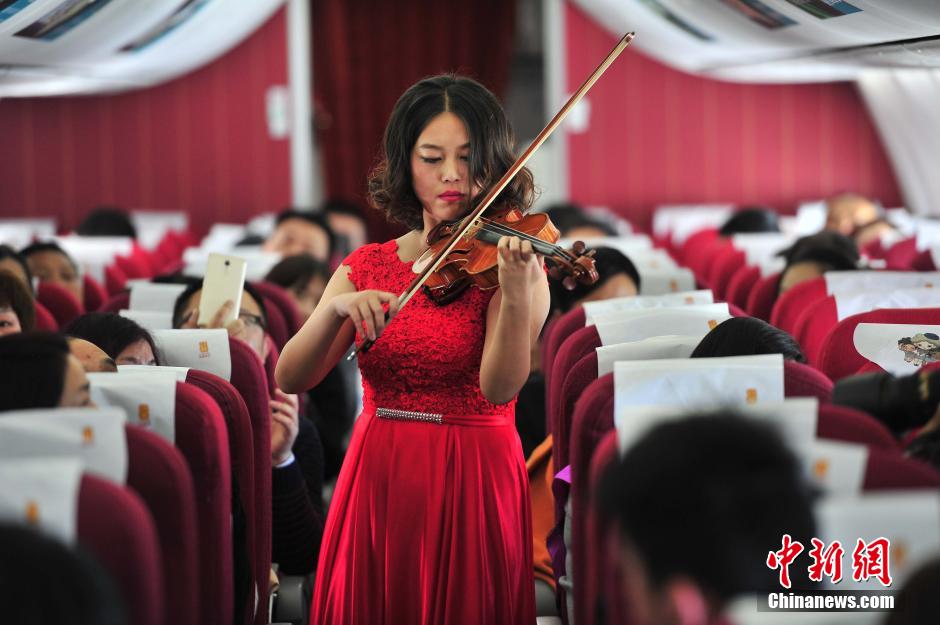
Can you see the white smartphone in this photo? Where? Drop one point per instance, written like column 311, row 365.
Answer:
column 225, row 280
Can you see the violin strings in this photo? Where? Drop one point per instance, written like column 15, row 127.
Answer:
column 492, row 226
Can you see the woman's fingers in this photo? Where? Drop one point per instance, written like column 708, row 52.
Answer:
column 221, row 314
column 368, row 320
column 378, row 314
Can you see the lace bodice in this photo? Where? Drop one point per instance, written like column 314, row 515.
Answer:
column 428, row 359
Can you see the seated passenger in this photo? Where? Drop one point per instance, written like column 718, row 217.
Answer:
column 301, row 232
column 304, row 278
column 846, row 212
column 37, row 371
column 574, row 223
column 120, row 338
column 17, row 311
column 750, row 219
column 618, row 278
column 747, row 336
column 48, row 583
column 348, row 226
column 107, row 221
column 14, row 263
column 812, row 256
column 697, row 505
column 296, row 451
column 50, row 263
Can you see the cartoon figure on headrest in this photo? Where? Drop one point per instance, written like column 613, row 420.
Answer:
column 920, row 349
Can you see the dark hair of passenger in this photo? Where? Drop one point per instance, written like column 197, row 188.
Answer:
column 46, row 246
column 8, row 252
column 491, row 146
column 107, row 221
column 296, row 272
column 751, row 219
column 32, row 370
column 15, row 296
column 742, row 487
column 747, row 336
column 834, row 251
column 109, row 331
column 44, row 582
column 195, row 284
column 567, row 217
column 608, row 262
column 317, row 219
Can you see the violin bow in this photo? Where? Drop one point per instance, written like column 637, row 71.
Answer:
column 471, row 219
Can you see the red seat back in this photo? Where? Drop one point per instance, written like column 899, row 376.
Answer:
column 760, row 301
column 116, row 527
column 814, row 325
column 202, row 438
column 790, row 305
column 277, row 326
column 44, row 319
column 723, row 270
column 578, row 378
column 95, row 294
column 280, row 298
column 892, row 471
column 114, row 279
column 241, row 449
column 801, row 380
column 741, row 284
column 901, row 255
column 159, row 474
column 117, row 302
column 603, row 587
column 853, row 426
column 838, row 357
column 251, row 382
column 62, row 304
column 694, row 248
column 575, row 347
column 555, row 334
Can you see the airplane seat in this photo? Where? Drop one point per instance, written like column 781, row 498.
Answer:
column 723, row 270
column 132, row 266
column 555, row 334
column 62, row 304
column 761, row 298
column 95, row 294
column 813, row 326
column 923, row 262
column 44, row 319
column 801, row 380
column 740, row 285
column 900, row 255
column 114, row 279
column 579, row 344
column 790, row 305
column 280, row 298
column 892, row 471
column 690, row 253
column 854, row 426
column 277, row 327
column 117, row 302
column 703, row 259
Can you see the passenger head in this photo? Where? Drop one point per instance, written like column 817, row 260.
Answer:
column 50, row 263
column 304, row 278
column 17, row 311
column 488, row 151
column 44, row 582
column 747, row 336
column 92, row 358
column 743, row 489
column 918, row 601
column 848, row 211
column 14, row 263
column 37, row 371
column 618, row 278
column 573, row 223
column 252, row 314
column 122, row 339
column 812, row 256
column 751, row 219
column 107, row 221
column 301, row 232
column 348, row 226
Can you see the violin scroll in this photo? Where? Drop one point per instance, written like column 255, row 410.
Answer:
column 574, row 266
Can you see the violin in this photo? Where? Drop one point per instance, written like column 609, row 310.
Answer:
column 474, row 260
column 456, row 269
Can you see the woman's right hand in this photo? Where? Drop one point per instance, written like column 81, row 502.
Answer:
column 365, row 308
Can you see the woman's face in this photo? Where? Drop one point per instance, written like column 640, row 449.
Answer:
column 798, row 273
column 137, row 353
column 9, row 322
column 439, row 169
column 56, row 268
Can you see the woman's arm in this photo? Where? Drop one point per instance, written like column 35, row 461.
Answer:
column 513, row 320
column 330, row 330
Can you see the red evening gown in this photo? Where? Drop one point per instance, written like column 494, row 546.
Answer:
column 430, row 521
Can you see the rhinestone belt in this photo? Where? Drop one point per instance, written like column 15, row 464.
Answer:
column 409, row 415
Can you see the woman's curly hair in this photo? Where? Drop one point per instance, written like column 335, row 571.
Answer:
column 491, row 146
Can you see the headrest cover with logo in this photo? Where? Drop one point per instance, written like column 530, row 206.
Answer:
column 836, row 467
column 659, row 282
column 95, row 435
column 149, row 399
column 898, row 348
column 910, row 520
column 42, row 492
column 637, row 325
column 653, row 348
column 686, row 298
column 206, row 350
column 699, row 382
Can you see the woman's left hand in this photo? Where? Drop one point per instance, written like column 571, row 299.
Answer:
column 519, row 266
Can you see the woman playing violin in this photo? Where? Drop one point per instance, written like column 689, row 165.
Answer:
column 430, row 521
